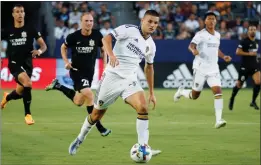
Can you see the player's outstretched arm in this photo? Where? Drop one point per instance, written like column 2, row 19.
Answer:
column 107, row 43
column 223, row 56
column 149, row 72
column 193, row 49
column 240, row 52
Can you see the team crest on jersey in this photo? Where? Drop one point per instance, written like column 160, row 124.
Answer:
column 24, row 34
column 196, row 85
column 136, row 39
column 147, row 49
column 91, row 43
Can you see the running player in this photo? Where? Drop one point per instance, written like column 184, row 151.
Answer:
column 20, row 51
column 120, row 77
column 84, row 44
column 249, row 66
column 205, row 47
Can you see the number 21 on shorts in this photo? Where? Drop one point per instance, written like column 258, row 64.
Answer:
column 85, row 82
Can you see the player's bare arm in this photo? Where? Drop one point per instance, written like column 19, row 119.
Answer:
column 149, row 72
column 64, row 50
column 104, row 57
column 107, row 43
column 240, row 52
column 42, row 49
column 223, row 56
column 193, row 49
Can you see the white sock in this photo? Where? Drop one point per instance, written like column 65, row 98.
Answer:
column 218, row 104
column 186, row 93
column 142, row 127
column 86, row 128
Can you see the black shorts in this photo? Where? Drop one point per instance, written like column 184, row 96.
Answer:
column 81, row 80
column 16, row 69
column 244, row 72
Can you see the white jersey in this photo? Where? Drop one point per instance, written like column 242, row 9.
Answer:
column 130, row 48
column 207, row 46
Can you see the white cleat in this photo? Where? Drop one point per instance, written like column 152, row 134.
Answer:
column 155, row 152
column 220, row 123
column 178, row 95
column 74, row 146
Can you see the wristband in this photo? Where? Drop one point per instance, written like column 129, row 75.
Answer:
column 40, row 51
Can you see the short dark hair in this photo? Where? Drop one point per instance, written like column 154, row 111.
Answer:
column 152, row 13
column 251, row 25
column 17, row 5
column 209, row 13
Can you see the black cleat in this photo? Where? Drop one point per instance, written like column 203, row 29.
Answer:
column 231, row 104
column 253, row 104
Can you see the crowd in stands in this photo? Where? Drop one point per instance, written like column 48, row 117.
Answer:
column 181, row 20
column 68, row 15
column 178, row 20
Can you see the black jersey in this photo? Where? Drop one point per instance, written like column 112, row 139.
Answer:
column 248, row 45
column 20, row 43
column 84, row 49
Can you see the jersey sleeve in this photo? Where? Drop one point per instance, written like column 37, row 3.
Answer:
column 242, row 44
column 36, row 34
column 196, row 39
column 120, row 32
column 149, row 58
column 69, row 41
column 100, row 36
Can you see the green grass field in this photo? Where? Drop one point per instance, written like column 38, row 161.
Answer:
column 183, row 131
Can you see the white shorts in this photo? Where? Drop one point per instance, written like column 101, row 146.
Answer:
column 111, row 86
column 200, row 78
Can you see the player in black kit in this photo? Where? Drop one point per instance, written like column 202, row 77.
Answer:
column 84, row 44
column 249, row 66
column 20, row 38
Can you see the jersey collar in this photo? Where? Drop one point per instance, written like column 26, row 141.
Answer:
column 142, row 33
column 209, row 32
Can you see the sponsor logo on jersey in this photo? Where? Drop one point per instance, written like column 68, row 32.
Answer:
column 86, row 49
column 133, row 48
column 18, row 41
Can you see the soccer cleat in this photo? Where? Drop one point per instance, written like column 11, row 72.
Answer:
column 155, row 152
column 253, row 104
column 178, row 95
column 52, row 85
column 74, row 146
column 220, row 123
column 29, row 119
column 4, row 101
column 231, row 104
column 106, row 132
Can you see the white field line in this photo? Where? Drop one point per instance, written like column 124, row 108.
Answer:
column 133, row 123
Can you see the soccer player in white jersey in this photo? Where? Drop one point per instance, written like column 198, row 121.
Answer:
column 205, row 47
column 120, row 77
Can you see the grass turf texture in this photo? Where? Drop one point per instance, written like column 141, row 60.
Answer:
column 184, row 131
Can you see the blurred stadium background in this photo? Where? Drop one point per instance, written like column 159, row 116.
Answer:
column 179, row 21
column 184, row 131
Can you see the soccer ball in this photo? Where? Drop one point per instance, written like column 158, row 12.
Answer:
column 140, row 154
